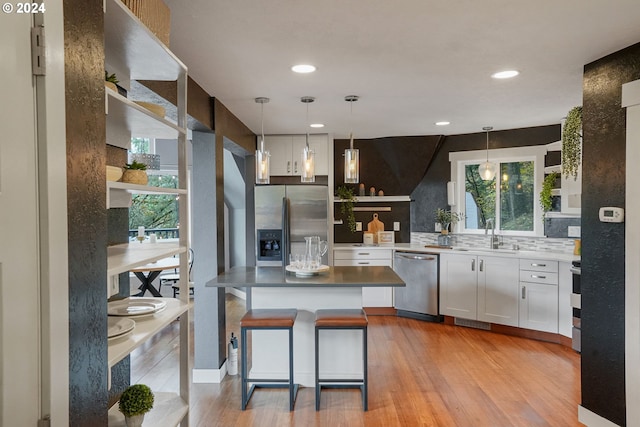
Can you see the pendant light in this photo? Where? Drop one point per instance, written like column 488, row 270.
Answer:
column 487, row 170
column 351, row 155
column 262, row 156
column 308, row 155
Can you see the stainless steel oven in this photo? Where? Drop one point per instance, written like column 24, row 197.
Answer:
column 576, row 304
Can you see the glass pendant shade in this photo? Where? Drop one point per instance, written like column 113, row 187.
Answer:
column 262, row 166
column 487, row 171
column 263, row 172
column 308, row 173
column 351, row 166
column 351, row 155
column 308, row 165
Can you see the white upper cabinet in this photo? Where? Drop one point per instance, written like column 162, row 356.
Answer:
column 286, row 153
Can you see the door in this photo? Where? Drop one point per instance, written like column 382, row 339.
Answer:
column 458, row 285
column 539, row 307
column 498, row 280
column 19, row 260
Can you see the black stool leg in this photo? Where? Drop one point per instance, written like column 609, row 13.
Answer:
column 291, row 386
column 317, row 372
column 365, row 394
column 243, row 363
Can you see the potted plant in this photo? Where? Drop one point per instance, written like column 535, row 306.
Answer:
column 111, row 81
column 135, row 173
column 346, row 207
column 445, row 219
column 546, row 201
column 135, row 401
column 571, row 138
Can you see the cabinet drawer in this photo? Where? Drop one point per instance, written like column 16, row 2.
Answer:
column 539, row 265
column 363, row 254
column 539, row 277
column 361, row 262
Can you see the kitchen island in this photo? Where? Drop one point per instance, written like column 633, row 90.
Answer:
column 274, row 287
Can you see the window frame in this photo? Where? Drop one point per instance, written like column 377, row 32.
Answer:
column 460, row 159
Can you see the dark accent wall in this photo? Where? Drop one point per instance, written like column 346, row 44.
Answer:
column 603, row 269
column 87, row 214
column 431, row 192
column 400, row 211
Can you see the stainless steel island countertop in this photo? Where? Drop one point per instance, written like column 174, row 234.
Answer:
column 365, row 276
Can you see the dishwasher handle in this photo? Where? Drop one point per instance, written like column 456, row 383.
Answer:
column 416, row 257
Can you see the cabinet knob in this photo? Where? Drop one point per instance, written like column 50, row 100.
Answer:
column 481, row 264
column 295, row 167
column 473, row 265
column 289, row 166
column 524, row 292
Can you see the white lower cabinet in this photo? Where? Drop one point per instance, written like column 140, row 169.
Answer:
column 371, row 297
column 539, row 295
column 481, row 288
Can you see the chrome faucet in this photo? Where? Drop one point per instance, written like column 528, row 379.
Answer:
column 494, row 243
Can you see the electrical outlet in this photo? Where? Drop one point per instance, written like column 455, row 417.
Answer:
column 438, row 227
column 396, row 226
column 359, row 226
column 573, row 231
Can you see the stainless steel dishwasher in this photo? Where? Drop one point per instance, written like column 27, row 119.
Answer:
column 419, row 299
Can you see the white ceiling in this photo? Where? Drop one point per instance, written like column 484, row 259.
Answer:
column 412, row 62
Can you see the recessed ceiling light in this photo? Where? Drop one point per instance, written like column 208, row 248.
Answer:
column 505, row 74
column 303, row 68
column 316, row 125
column 442, row 123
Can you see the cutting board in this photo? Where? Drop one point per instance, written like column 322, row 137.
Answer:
column 374, row 226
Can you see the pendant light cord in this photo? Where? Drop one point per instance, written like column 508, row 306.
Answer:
column 262, row 126
column 487, row 128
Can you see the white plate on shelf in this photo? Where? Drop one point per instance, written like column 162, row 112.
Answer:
column 119, row 327
column 305, row 272
column 135, row 307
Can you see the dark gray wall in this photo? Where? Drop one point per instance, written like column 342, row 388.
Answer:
column 603, row 270
column 87, row 214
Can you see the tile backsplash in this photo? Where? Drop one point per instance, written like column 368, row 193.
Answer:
column 482, row 241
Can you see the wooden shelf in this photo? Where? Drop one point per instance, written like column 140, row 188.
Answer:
column 124, row 113
column 145, row 328
column 373, row 199
column 168, row 410
column 130, row 46
column 122, row 258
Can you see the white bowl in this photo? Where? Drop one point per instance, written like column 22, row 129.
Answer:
column 114, row 173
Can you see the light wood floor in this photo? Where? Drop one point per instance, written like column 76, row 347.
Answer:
column 420, row 374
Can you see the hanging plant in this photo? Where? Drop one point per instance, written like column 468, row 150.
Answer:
column 571, row 137
column 346, row 207
column 546, row 201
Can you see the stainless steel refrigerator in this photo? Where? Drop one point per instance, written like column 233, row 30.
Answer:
column 285, row 214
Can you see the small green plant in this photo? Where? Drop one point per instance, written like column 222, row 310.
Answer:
column 136, row 400
column 546, row 202
column 111, row 78
column 571, row 137
column 346, row 207
column 447, row 217
column 136, row 166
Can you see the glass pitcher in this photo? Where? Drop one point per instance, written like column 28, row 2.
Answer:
column 315, row 249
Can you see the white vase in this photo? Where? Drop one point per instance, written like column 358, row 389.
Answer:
column 134, row 421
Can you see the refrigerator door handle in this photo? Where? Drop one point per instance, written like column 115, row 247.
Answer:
column 286, row 236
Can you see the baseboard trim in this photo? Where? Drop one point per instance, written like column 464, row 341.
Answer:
column 209, row 376
column 237, row 292
column 591, row 419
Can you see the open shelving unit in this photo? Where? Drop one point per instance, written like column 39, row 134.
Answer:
column 374, row 199
column 137, row 54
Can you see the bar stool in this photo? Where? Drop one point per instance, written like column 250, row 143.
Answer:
column 342, row 319
column 267, row 319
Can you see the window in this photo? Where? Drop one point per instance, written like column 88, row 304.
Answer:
column 510, row 200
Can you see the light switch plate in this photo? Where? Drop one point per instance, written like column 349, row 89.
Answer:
column 573, row 231
column 359, row 226
column 396, row 226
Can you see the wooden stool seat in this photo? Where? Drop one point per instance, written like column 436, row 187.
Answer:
column 328, row 319
column 267, row 319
